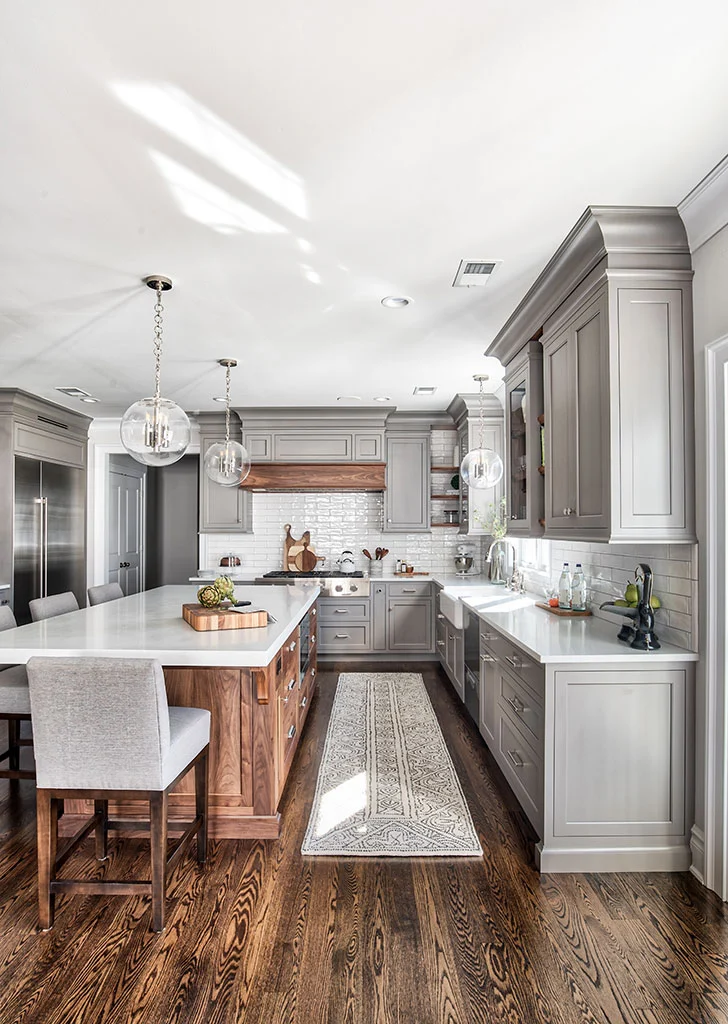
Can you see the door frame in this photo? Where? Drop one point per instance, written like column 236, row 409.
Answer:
column 714, row 667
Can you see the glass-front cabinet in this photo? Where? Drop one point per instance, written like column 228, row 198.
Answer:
column 524, row 470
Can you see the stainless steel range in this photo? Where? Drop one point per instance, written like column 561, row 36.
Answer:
column 351, row 584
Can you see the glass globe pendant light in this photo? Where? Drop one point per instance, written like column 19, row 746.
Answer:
column 227, row 463
column 155, row 431
column 482, row 467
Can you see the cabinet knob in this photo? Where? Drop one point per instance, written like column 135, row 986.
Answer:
column 568, row 511
column 291, row 732
column 292, row 645
column 291, row 684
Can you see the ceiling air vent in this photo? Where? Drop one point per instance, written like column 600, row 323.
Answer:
column 475, row 273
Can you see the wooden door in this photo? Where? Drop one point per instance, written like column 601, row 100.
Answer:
column 407, row 497
column 125, row 532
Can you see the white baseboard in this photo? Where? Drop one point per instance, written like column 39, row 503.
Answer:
column 652, row 858
column 697, row 849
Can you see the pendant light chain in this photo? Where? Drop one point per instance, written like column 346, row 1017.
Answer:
column 227, row 404
column 481, row 439
column 158, row 314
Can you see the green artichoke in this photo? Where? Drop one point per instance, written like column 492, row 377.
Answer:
column 209, row 596
column 225, row 587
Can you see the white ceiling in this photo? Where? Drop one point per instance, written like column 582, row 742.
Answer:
column 289, row 164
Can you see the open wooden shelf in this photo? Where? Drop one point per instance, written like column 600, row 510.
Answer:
column 444, row 497
column 433, row 525
column 445, row 469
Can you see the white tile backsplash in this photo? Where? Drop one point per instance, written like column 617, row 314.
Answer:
column 335, row 521
column 608, row 567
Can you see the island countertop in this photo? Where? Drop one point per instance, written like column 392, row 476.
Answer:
column 150, row 625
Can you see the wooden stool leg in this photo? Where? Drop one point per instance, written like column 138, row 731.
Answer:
column 158, row 836
column 101, row 807
column 47, row 827
column 13, row 744
column 201, row 801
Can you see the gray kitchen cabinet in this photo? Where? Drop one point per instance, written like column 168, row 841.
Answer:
column 344, row 625
column 221, row 509
column 303, row 435
column 441, row 639
column 523, row 470
column 455, row 658
column 615, row 308
column 410, row 624
column 379, row 616
column 488, row 694
column 407, row 495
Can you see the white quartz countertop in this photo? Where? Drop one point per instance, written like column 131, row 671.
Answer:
column 4, row 586
column 150, row 625
column 553, row 639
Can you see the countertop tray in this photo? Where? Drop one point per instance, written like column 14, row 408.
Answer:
column 564, row 612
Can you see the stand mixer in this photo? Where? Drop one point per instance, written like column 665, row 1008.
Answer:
column 464, row 559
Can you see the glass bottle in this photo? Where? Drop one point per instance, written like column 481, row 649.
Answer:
column 565, row 587
column 578, row 589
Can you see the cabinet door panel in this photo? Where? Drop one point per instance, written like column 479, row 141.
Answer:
column 407, row 497
column 651, row 409
column 410, row 624
column 560, row 432
column 222, row 509
column 592, row 466
column 312, row 447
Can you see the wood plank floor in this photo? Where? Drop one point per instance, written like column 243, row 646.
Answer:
column 264, row 935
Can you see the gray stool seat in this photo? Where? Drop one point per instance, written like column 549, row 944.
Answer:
column 103, row 730
column 14, row 692
column 103, row 593
column 48, row 607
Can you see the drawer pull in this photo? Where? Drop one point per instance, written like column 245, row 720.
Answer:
column 313, row 640
column 304, row 702
column 292, row 684
column 286, row 699
column 440, row 615
column 408, row 590
column 515, row 759
column 313, row 673
column 487, row 658
column 440, row 643
column 487, row 636
column 291, row 732
column 515, row 662
column 292, row 646
column 341, row 611
column 341, row 636
column 516, row 705
column 313, row 611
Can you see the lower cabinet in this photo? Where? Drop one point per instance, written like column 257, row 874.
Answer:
column 397, row 618
column 598, row 756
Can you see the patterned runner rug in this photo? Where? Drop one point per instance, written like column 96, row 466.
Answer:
column 387, row 785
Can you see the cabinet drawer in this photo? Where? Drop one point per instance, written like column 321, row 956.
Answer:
column 522, row 767
column 514, row 660
column 407, row 589
column 344, row 611
column 344, row 638
column 518, row 703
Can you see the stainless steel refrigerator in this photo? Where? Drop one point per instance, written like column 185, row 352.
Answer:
column 49, row 549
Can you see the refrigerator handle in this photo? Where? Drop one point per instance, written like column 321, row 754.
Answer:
column 41, row 543
column 45, row 547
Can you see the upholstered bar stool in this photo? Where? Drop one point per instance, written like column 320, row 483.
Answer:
column 49, row 607
column 103, row 731
column 104, row 592
column 14, row 707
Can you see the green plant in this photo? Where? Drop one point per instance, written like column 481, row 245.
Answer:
column 495, row 521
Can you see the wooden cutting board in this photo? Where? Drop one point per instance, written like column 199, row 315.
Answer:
column 566, row 612
column 206, row 619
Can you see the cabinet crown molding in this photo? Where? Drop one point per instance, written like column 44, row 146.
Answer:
column 622, row 237
column 463, row 407
column 22, row 405
column 313, row 418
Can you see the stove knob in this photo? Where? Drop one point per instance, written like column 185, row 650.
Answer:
column 338, row 588
column 353, row 588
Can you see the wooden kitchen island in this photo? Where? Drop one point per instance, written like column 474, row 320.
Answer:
column 250, row 680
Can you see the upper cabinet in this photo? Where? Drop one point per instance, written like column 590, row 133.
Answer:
column 407, row 494
column 615, row 307
column 524, row 471
column 476, row 505
column 314, row 435
column 222, row 509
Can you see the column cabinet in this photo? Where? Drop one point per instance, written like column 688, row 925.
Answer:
column 222, row 509
column 524, row 473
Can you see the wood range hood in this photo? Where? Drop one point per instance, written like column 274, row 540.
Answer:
column 315, row 476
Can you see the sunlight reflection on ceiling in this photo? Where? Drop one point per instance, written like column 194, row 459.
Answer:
column 190, row 122
column 341, row 803
column 204, row 202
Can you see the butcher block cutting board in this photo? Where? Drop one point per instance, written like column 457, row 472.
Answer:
column 206, row 619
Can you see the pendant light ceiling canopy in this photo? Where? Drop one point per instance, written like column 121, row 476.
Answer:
column 482, row 467
column 227, row 463
column 156, row 431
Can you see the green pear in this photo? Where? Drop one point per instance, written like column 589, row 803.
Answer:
column 631, row 594
column 655, row 602
column 621, row 604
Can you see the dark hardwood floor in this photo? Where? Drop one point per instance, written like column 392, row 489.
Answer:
column 264, row 935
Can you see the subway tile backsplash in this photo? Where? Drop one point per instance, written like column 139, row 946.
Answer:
column 608, row 568
column 336, row 521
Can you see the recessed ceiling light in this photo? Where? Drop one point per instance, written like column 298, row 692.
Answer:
column 424, row 390
column 89, row 400
column 220, row 399
column 349, row 398
column 395, row 301
column 382, row 398
column 74, row 392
